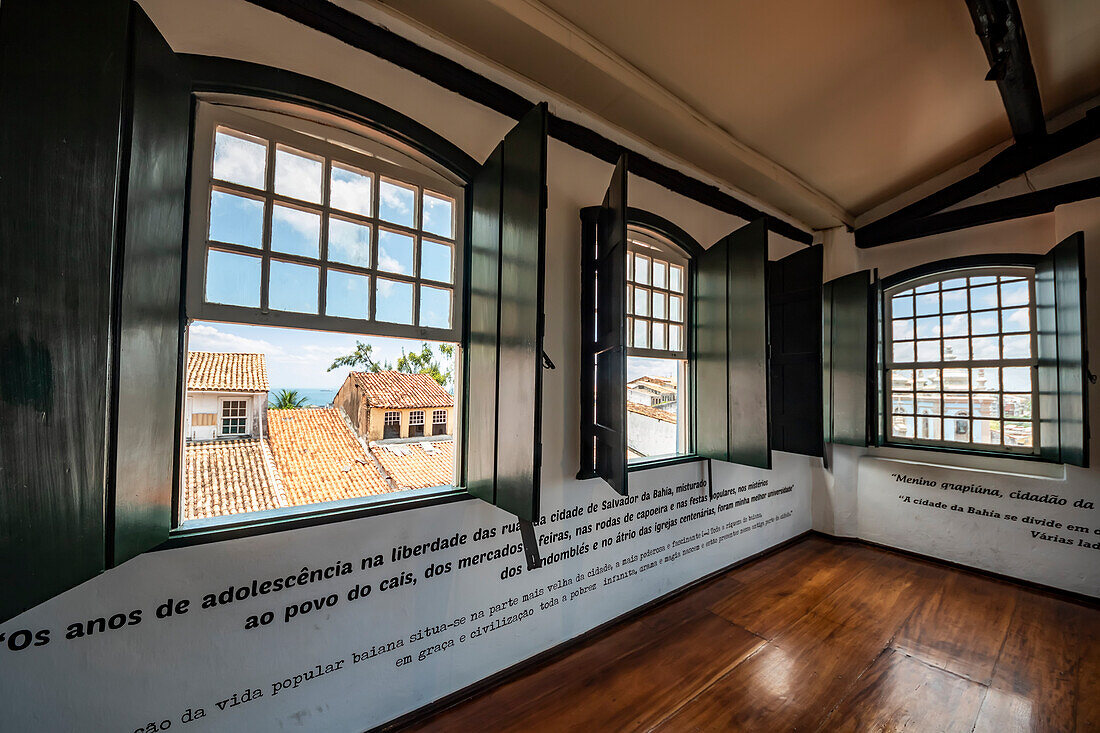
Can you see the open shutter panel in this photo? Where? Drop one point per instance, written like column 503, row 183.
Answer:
column 503, row 369
column 1063, row 362
column 846, row 378
column 611, row 253
column 711, row 357
column 147, row 443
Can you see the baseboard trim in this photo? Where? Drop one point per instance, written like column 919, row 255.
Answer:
column 551, row 654
column 1060, row 593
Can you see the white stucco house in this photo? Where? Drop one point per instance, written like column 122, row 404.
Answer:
column 652, row 392
column 226, row 396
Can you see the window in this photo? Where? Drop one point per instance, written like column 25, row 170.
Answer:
column 234, row 417
column 392, row 425
column 416, row 424
column 439, row 422
column 961, row 360
column 657, row 359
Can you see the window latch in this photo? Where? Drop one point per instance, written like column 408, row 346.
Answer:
column 546, row 363
column 530, row 544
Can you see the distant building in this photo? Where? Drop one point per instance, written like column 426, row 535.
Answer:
column 389, row 405
column 650, row 431
column 226, row 396
column 652, row 392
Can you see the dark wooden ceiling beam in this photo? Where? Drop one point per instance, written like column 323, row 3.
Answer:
column 1000, row 29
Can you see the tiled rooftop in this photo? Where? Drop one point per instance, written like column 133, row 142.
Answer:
column 399, row 390
column 226, row 477
column 418, row 465
column 653, row 412
column 318, row 458
column 654, row 383
column 209, row 371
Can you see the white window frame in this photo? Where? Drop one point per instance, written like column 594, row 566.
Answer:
column 436, row 414
column 372, row 158
column 223, row 405
column 890, row 365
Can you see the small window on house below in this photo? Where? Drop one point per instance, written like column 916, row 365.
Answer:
column 323, row 301
column 960, row 361
column 657, row 356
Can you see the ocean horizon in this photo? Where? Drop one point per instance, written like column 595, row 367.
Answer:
column 314, row 397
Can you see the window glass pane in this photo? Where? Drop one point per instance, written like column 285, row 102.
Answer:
column 674, row 338
column 641, row 269
column 1015, row 320
column 956, row 350
column 239, row 158
column 902, row 426
column 927, row 288
column 350, row 189
column 1015, row 293
column 295, row 232
column 641, row 302
column 393, row 302
column 985, row 297
column 1017, row 379
column 660, row 306
column 902, row 403
column 956, row 404
column 293, row 287
column 958, row 282
column 297, row 175
column 901, row 379
column 986, row 405
column 1018, row 433
column 928, row 403
column 1017, row 405
column 987, row 347
column 903, row 351
column 435, row 261
column 395, row 252
column 901, row 307
column 929, row 428
column 232, row 279
column 1017, row 347
column 928, row 327
column 397, row 203
column 983, row 323
column 348, row 242
column 675, row 308
column 956, row 380
column 956, row 429
column 928, row 351
column 659, row 335
column 236, row 219
column 629, row 331
column 982, row 280
column 660, row 274
column 986, row 432
column 928, row 379
column 928, row 304
column 438, row 215
column 347, row 295
column 954, row 301
column 629, row 298
column 985, row 379
column 676, row 278
column 435, row 307
column 641, row 333
column 903, row 328
column 956, row 325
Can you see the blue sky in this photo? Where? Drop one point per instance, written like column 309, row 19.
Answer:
column 295, row 358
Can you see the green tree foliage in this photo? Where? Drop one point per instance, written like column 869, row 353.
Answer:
column 287, row 399
column 414, row 362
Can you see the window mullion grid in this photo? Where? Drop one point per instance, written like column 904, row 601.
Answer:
column 269, row 206
column 418, row 223
column 326, row 215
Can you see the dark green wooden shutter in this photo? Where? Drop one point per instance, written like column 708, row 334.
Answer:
column 794, row 301
column 1063, row 355
column 147, row 441
column 846, row 377
column 504, row 357
column 731, row 349
column 611, row 254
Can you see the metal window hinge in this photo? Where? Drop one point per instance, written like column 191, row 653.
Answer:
column 546, row 363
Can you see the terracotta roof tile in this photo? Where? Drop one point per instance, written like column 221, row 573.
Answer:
column 209, row 371
column 318, row 459
column 396, row 389
column 418, row 465
column 654, row 383
column 226, row 477
column 653, row 412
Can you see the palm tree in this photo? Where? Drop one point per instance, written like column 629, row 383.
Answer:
column 287, row 399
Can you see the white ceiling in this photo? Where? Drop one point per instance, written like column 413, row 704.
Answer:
column 821, row 109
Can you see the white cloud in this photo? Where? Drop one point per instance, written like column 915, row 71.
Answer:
column 240, row 161
column 297, row 176
column 308, row 225
column 202, row 337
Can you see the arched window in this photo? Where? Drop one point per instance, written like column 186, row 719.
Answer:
column 961, row 360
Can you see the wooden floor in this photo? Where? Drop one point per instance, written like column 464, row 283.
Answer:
column 822, row 636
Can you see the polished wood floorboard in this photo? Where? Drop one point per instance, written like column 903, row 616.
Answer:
column 819, row 636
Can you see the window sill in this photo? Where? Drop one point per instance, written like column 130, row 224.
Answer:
column 202, row 531
column 1030, row 466
column 663, row 462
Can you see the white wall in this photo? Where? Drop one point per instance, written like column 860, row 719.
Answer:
column 862, row 495
column 649, row 436
column 156, row 669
